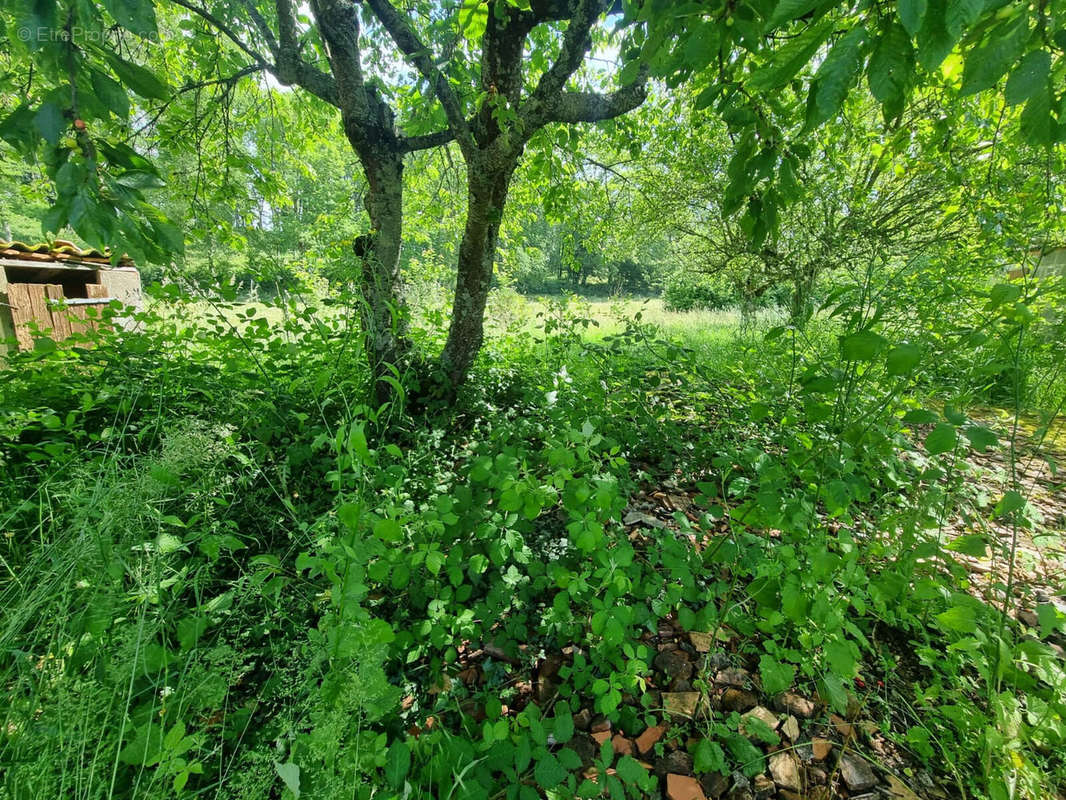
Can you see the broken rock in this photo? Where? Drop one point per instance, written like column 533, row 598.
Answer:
column 677, row 761
column 622, row 746
column 856, row 772
column 701, row 641
column 682, row 787
column 790, row 727
column 763, row 786
column 646, row 741
column 714, row 784
column 821, row 748
column 674, row 664
column 682, row 704
column 738, row 700
column 732, row 677
column 795, row 704
column 785, row 771
column 760, row 713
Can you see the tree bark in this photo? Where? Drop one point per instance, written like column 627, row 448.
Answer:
column 488, row 181
column 384, row 323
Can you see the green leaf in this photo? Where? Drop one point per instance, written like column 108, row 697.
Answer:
column 835, row 77
column 708, row 757
column 349, row 514
column 941, row 439
column 960, row 619
column 435, row 560
column 389, row 530
column 564, row 725
column 934, row 41
column 1048, row 618
column 631, row 772
column 862, row 346
column 985, row 65
column 17, row 129
column 142, row 81
column 972, row 544
column 548, row 773
column 776, row 677
column 137, row 16
column 788, row 60
column 961, row 14
column 1009, row 503
column 911, row 14
column 1036, row 122
column 1029, row 77
column 891, row 68
column 902, row 359
column 788, row 10
column 835, row 692
column 49, row 122
column 110, row 93
column 980, row 437
column 840, row 658
column 397, row 764
column 290, row 776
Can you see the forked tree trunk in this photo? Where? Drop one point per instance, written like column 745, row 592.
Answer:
column 488, row 181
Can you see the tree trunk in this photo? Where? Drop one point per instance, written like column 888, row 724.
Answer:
column 384, row 323
column 488, row 181
column 382, row 313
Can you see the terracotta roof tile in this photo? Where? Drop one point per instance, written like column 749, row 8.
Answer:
column 58, row 251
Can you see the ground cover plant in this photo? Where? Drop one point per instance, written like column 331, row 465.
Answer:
column 536, row 398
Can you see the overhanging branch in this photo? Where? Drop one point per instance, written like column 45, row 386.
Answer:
column 572, row 107
column 420, row 57
column 426, row 141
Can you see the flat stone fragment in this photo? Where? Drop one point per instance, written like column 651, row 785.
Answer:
column 791, row 728
column 822, row 748
column 732, row 677
column 761, row 713
column 763, row 787
column 682, row 787
column 640, row 518
column 738, row 700
column 673, row 664
column 785, row 771
column 701, row 641
column 856, row 772
column 896, row 788
column 714, row 784
column 796, row 704
column 646, row 741
column 677, row 762
column 622, row 746
column 681, row 703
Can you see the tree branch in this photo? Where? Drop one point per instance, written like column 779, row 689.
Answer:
column 291, row 69
column 576, row 43
column 426, row 141
column 225, row 30
column 420, row 57
column 593, row 107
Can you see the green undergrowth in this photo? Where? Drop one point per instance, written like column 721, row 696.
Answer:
column 223, row 574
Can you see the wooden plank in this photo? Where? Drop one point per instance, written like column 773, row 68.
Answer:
column 77, row 320
column 60, row 316
column 97, row 290
column 21, row 314
column 32, row 306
